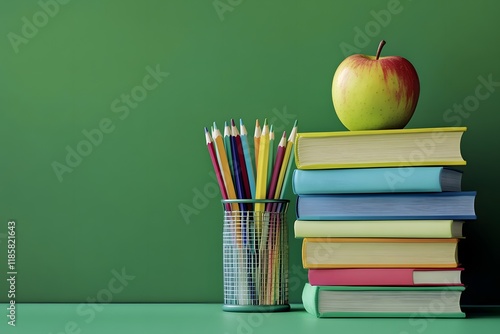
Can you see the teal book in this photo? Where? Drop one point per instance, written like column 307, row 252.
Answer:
column 376, row 180
column 383, row 301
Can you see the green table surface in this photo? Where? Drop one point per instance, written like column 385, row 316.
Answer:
column 209, row 318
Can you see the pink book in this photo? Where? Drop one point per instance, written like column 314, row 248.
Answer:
column 385, row 276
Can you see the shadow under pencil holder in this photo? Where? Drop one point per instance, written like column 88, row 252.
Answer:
column 255, row 255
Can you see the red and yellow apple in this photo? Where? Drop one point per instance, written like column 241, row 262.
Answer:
column 375, row 93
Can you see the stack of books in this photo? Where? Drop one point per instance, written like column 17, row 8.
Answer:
column 381, row 214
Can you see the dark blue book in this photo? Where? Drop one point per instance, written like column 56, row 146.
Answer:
column 440, row 205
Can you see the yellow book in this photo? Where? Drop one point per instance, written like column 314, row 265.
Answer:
column 379, row 252
column 445, row 228
column 379, row 148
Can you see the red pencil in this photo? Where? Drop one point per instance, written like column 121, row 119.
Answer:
column 241, row 160
column 213, row 157
column 280, row 153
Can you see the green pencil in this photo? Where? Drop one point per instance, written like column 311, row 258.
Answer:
column 291, row 160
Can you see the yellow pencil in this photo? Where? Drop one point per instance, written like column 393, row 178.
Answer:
column 256, row 141
column 270, row 162
column 263, row 160
column 286, row 161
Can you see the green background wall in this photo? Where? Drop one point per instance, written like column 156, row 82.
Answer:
column 118, row 211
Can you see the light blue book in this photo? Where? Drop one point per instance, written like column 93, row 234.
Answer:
column 376, row 180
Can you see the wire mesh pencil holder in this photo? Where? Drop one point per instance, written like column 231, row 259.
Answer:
column 255, row 255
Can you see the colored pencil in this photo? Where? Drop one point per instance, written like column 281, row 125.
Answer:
column 248, row 158
column 228, row 181
column 224, row 166
column 213, row 158
column 227, row 146
column 256, row 141
column 280, row 153
column 262, row 217
column 286, row 164
column 239, row 166
column 286, row 178
column 270, row 162
column 237, row 170
column 261, row 178
column 274, row 222
column 241, row 160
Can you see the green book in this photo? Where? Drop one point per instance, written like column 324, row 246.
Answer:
column 383, row 301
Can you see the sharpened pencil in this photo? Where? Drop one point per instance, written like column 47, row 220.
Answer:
column 286, row 178
column 239, row 165
column 270, row 162
column 224, row 166
column 261, row 179
column 227, row 147
column 213, row 158
column 286, row 164
column 256, row 141
column 248, row 158
column 280, row 153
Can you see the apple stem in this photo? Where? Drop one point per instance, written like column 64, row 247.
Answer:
column 380, row 46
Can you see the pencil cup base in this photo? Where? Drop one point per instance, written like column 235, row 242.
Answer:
column 256, row 308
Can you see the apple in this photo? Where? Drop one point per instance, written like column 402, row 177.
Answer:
column 375, row 93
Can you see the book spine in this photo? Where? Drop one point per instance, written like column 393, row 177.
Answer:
column 360, row 277
column 310, row 299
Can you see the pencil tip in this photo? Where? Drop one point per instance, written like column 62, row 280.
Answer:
column 265, row 121
column 215, row 126
column 232, row 122
column 295, row 124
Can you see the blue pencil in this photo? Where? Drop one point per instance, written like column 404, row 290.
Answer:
column 248, row 158
column 227, row 146
column 236, row 168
